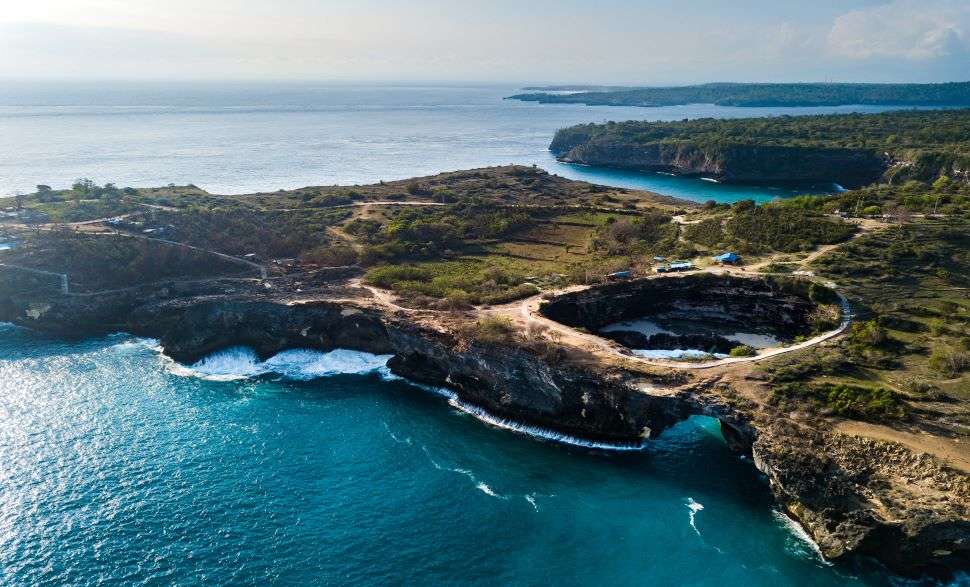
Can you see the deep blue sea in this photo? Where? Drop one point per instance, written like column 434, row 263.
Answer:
column 121, row 467
column 240, row 138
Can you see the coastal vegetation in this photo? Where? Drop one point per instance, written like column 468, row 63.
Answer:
column 734, row 94
column 857, row 149
column 909, row 349
column 97, row 262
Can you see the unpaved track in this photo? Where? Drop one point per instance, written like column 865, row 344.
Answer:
column 526, row 313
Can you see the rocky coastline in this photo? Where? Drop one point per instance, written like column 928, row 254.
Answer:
column 843, row 490
column 755, row 164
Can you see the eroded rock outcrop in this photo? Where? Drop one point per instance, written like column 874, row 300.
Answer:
column 860, row 496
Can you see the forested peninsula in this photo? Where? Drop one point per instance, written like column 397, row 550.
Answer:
column 751, row 95
column 852, row 150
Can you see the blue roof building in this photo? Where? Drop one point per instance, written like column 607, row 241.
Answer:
column 730, row 258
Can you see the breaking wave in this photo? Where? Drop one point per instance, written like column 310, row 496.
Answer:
column 694, row 507
column 535, row 431
column 802, row 543
column 237, row 363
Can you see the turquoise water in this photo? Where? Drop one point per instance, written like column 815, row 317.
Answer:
column 239, row 138
column 120, row 467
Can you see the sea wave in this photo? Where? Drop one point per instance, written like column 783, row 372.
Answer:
column 803, row 544
column 536, row 431
column 694, row 507
column 238, row 363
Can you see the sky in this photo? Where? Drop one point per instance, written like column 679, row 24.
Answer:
column 653, row 42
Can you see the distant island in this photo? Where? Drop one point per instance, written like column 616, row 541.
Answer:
column 851, row 150
column 750, row 95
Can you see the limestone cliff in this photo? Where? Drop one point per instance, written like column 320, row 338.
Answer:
column 727, row 163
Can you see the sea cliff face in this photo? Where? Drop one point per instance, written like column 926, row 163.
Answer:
column 852, row 496
column 508, row 382
column 731, row 163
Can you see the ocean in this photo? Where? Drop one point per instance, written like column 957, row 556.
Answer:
column 121, row 467
column 243, row 138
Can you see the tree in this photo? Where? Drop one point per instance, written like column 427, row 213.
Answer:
column 941, row 183
column 18, row 198
column 84, row 186
column 44, row 193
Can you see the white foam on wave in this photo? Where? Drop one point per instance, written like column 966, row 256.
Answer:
column 676, row 354
column 407, row 440
column 694, row 507
column 536, row 431
column 479, row 485
column 803, row 538
column 484, row 488
column 531, row 498
column 237, row 363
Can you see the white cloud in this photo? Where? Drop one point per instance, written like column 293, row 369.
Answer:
column 907, row 29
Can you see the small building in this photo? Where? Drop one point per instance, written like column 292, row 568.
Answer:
column 659, row 259
column 726, row 259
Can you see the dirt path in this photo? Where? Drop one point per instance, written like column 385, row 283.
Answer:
column 526, row 313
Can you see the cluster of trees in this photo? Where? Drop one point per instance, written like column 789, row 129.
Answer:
column 934, row 142
column 876, row 404
column 891, row 131
column 98, row 262
column 83, row 189
column 732, row 94
column 751, row 229
column 429, row 233
column 460, row 284
column 239, row 231
column 648, row 234
column 943, row 196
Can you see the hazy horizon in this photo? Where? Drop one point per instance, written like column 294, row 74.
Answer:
column 621, row 42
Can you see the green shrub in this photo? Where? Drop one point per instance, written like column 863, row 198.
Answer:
column 494, row 330
column 849, row 401
column 518, row 292
column 331, row 256
column 743, row 351
column 949, row 362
